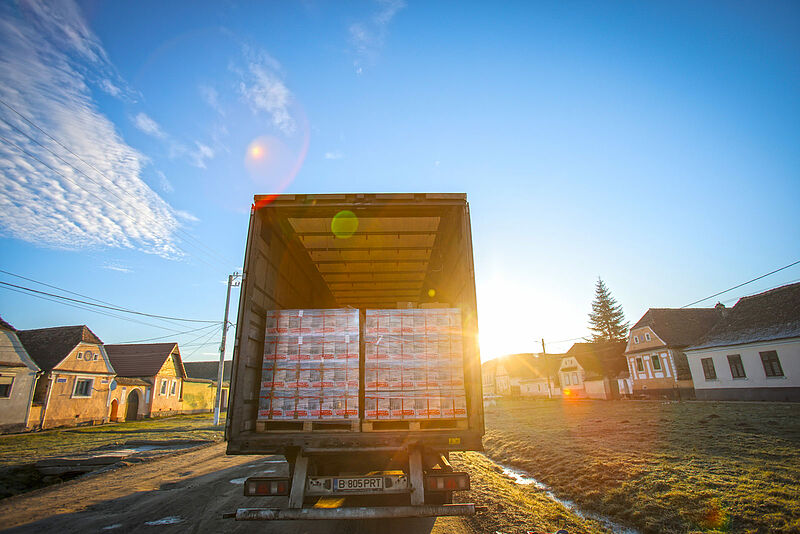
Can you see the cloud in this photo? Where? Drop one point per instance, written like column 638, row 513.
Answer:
column 109, row 87
column 367, row 37
column 186, row 216
column 263, row 89
column 335, row 154
column 49, row 59
column 211, row 97
column 117, row 267
column 146, row 124
column 164, row 183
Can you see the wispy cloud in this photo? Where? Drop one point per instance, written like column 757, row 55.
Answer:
column 50, row 59
column 164, row 183
column 117, row 267
column 367, row 37
column 146, row 124
column 334, row 154
column 196, row 156
column 264, row 91
column 211, row 97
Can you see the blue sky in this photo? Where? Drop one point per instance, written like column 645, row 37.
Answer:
column 652, row 144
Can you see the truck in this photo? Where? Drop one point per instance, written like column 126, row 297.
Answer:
column 370, row 253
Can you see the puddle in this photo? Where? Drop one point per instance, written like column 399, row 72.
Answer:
column 170, row 520
column 112, row 527
column 238, row 480
column 525, row 479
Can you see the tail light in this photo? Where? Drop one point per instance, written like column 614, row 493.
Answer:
column 261, row 486
column 447, row 482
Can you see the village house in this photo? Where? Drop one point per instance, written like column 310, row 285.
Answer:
column 523, row 375
column 753, row 353
column 76, row 384
column 18, row 374
column 594, row 371
column 159, row 374
column 655, row 351
column 488, row 376
column 200, row 386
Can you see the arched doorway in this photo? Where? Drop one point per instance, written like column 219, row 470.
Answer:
column 114, row 410
column 132, row 412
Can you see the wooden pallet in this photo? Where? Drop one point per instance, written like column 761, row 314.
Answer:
column 412, row 426
column 344, row 425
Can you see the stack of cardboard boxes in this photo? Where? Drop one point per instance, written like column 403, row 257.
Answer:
column 310, row 366
column 413, row 365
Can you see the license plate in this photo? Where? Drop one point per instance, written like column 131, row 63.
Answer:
column 358, row 484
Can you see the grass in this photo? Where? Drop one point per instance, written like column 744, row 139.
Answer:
column 660, row 467
column 17, row 449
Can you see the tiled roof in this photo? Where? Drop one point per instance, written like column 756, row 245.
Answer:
column 601, row 360
column 141, row 359
column 208, row 370
column 767, row 316
column 127, row 381
column 680, row 327
column 5, row 326
column 49, row 346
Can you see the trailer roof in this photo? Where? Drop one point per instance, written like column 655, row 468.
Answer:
column 386, row 258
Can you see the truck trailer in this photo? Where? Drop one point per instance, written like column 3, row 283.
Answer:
column 367, row 263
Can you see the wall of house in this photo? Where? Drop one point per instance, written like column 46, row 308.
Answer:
column 534, row 388
column 169, row 402
column 199, row 397
column 659, row 383
column 598, row 389
column 121, row 394
column 757, row 385
column 571, row 375
column 62, row 406
column 21, row 371
column 641, row 334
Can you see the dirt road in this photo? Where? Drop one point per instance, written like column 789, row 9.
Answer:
column 189, row 492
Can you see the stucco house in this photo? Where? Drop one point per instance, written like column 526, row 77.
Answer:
column 753, row 353
column 488, row 374
column 200, row 386
column 76, row 384
column 18, row 374
column 159, row 372
column 655, row 350
column 593, row 370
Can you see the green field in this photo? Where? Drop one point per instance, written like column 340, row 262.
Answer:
column 660, row 466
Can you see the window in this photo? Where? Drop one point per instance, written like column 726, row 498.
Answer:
column 87, row 356
column 737, row 369
column 172, row 391
column 95, row 357
column 566, row 379
column 647, row 336
column 656, row 363
column 772, row 365
column 83, row 387
column 636, row 340
column 575, row 378
column 163, row 387
column 5, row 386
column 80, row 355
column 708, row 369
column 639, row 365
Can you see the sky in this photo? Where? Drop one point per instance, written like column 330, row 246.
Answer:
column 653, row 144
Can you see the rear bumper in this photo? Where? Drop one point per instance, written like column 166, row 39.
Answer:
column 363, row 512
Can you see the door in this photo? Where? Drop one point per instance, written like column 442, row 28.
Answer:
column 114, row 410
column 132, row 412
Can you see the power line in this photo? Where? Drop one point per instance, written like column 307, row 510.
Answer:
column 197, row 242
column 114, row 308
column 205, row 341
column 742, row 284
column 168, row 335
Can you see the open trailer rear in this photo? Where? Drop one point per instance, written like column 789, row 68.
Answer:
column 356, row 353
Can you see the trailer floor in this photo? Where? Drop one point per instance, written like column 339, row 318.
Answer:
column 189, row 492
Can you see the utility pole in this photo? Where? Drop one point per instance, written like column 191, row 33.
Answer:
column 547, row 366
column 218, row 401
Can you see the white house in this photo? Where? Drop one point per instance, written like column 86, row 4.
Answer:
column 754, row 352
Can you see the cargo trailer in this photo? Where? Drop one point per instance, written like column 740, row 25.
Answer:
column 356, row 353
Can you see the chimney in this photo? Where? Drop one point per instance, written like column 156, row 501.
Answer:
column 722, row 311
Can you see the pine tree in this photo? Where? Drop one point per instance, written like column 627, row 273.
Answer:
column 607, row 320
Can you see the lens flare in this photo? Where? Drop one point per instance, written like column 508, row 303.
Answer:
column 344, row 224
column 431, row 293
column 256, row 151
